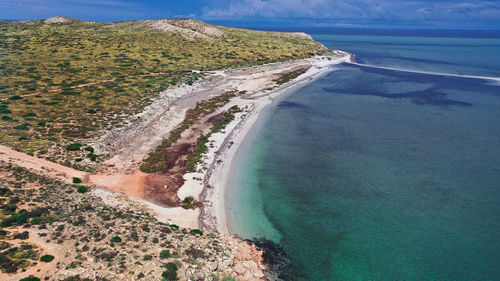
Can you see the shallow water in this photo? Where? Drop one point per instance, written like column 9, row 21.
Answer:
column 373, row 174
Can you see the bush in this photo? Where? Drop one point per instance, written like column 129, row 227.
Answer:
column 6, row 265
column 187, row 203
column 89, row 149
column 82, row 189
column 165, row 254
column 14, row 219
column 29, row 114
column 21, row 127
column 23, row 235
column 174, row 226
column 73, row 146
column 92, row 156
column 42, row 220
column 76, row 180
column 15, row 97
column 171, row 272
column 116, row 239
column 30, row 278
column 196, row 231
column 46, row 258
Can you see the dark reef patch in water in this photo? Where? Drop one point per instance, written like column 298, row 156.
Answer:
column 290, row 104
column 436, row 95
column 278, row 265
column 428, row 97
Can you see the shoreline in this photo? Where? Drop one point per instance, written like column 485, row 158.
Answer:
column 120, row 173
column 220, row 158
column 120, row 184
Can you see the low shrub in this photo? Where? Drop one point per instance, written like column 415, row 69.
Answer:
column 187, row 203
column 6, row 265
column 196, row 231
column 30, row 278
column 42, row 220
column 22, row 127
column 171, row 272
column 76, row 180
column 92, row 156
column 46, row 258
column 5, row 110
column 116, row 239
column 165, row 254
column 29, row 114
column 23, row 235
column 82, row 189
column 15, row 97
column 73, row 146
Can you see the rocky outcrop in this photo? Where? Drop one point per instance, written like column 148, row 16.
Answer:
column 248, row 263
column 53, row 20
column 197, row 26
column 189, row 29
column 300, row 35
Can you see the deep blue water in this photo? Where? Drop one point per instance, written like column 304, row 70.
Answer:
column 377, row 174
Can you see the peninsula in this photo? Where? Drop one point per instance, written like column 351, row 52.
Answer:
column 117, row 139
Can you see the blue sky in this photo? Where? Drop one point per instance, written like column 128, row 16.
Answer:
column 445, row 14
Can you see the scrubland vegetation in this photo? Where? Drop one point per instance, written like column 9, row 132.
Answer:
column 104, row 242
column 62, row 83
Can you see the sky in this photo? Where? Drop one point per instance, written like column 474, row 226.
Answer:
column 418, row 14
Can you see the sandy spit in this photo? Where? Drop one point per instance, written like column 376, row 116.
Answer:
column 218, row 161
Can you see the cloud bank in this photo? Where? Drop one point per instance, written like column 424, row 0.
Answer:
column 357, row 10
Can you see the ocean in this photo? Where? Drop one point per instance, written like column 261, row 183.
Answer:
column 375, row 173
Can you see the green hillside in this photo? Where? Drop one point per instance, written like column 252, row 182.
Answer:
column 63, row 80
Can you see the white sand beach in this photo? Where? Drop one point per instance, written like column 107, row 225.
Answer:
column 129, row 145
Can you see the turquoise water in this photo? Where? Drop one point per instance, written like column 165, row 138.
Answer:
column 375, row 174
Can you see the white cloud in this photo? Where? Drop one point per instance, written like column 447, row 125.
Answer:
column 271, row 8
column 353, row 9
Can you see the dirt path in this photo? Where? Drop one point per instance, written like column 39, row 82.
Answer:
column 132, row 184
column 39, row 165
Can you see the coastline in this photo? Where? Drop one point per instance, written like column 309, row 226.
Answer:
column 120, row 184
column 220, row 158
column 120, row 172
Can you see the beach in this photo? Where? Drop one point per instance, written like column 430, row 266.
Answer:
column 127, row 146
column 208, row 184
column 219, row 159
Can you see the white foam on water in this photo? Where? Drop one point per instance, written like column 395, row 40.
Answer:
column 495, row 79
